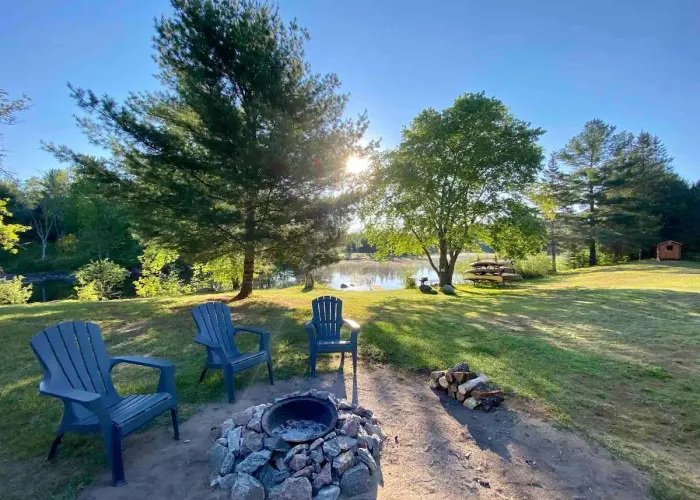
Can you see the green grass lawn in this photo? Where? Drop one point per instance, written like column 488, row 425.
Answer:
column 613, row 352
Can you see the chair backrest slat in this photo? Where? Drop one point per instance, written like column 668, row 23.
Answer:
column 327, row 317
column 213, row 321
column 73, row 355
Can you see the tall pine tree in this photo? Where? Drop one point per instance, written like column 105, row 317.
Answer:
column 241, row 148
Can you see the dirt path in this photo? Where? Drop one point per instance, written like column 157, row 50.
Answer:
column 436, row 448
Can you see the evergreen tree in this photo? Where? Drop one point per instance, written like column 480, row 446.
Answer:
column 240, row 145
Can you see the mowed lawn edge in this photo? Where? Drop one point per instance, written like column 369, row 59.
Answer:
column 613, row 352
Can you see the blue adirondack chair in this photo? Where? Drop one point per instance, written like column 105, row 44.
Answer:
column 215, row 330
column 324, row 331
column 77, row 370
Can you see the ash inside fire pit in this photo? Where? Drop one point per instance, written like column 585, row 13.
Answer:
column 300, row 419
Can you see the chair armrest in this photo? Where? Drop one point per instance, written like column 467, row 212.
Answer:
column 166, row 382
column 83, row 398
column 141, row 360
column 264, row 335
column 353, row 325
column 257, row 331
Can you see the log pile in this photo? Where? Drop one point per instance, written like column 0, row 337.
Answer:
column 467, row 387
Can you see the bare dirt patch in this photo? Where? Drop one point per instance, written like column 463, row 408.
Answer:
column 436, row 448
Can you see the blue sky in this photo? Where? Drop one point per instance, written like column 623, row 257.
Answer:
column 556, row 63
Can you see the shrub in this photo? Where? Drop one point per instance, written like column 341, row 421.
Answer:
column 408, row 276
column 68, row 245
column 158, row 275
column 104, row 277
column 12, row 291
column 87, row 292
column 534, row 266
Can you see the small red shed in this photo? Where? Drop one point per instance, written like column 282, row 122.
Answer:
column 668, row 250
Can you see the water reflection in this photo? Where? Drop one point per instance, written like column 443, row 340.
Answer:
column 360, row 275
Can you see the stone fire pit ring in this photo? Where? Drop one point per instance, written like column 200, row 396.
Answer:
column 300, row 408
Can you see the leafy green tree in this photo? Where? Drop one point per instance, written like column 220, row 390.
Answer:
column 8, row 116
column 240, row 144
column 45, row 199
column 455, row 172
column 100, row 280
column 546, row 195
column 9, row 233
column 100, row 217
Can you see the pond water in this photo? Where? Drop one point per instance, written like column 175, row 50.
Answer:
column 350, row 275
column 361, row 275
column 47, row 290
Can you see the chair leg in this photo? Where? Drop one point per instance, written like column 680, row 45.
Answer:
column 176, row 429
column 269, row 372
column 354, row 362
column 342, row 358
column 54, row 446
column 228, row 380
column 116, row 460
column 201, row 375
column 312, row 363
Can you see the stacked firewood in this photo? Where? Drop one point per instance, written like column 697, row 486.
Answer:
column 467, row 387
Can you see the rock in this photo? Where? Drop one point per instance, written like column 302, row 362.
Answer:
column 316, row 444
column 367, row 459
column 317, row 456
column 234, row 440
column 471, row 403
column 216, row 455
column 279, row 462
column 351, row 428
column 343, row 462
column 297, row 449
column 305, row 472
column 247, row 487
column 317, row 469
column 319, row 394
column 253, row 462
column 250, row 441
column 343, row 404
column 427, row 289
column 227, row 463
column 448, row 289
column 355, row 481
column 255, row 424
column 343, row 285
column 364, row 442
column 222, row 441
column 298, row 461
column 363, row 412
column 242, row 418
column 227, row 482
column 297, row 488
column 376, row 446
column 225, row 427
column 331, row 448
column 275, row 443
column 328, row 493
column 269, row 476
column 329, row 436
column 346, row 443
column 324, row 477
column 373, row 429
column 214, row 479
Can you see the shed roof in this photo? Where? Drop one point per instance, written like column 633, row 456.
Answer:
column 669, row 241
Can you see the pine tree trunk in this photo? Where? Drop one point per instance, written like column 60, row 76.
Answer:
column 248, row 271
column 592, row 256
